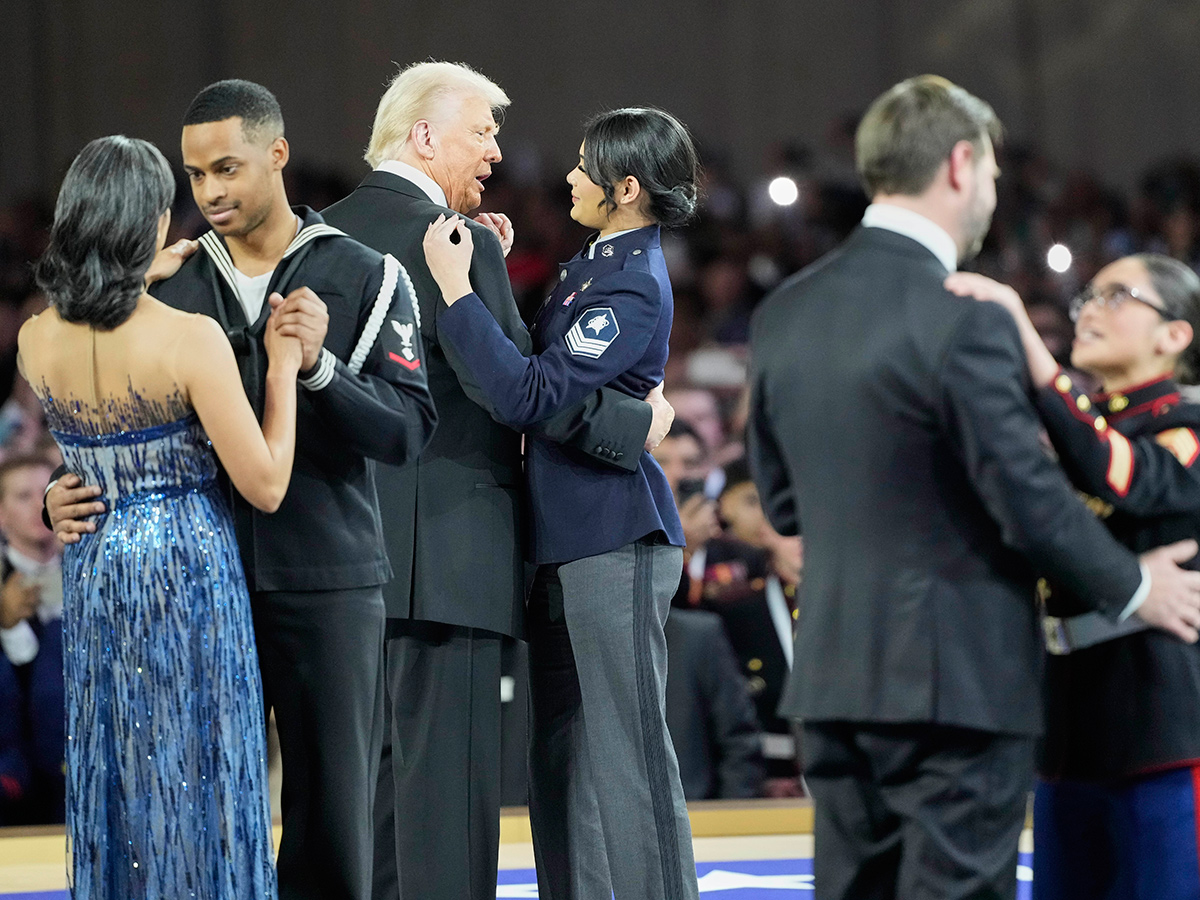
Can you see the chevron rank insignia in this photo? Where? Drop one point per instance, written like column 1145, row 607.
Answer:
column 593, row 332
column 1181, row 442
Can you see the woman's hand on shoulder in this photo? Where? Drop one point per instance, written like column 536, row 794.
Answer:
column 448, row 258
column 168, row 260
column 980, row 287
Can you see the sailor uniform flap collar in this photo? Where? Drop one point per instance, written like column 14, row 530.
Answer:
column 312, row 227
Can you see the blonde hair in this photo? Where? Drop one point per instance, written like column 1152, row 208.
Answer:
column 412, row 96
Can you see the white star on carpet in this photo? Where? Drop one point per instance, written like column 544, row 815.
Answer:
column 722, row 880
column 710, row 883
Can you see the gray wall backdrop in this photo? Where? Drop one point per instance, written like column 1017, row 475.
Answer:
column 1111, row 85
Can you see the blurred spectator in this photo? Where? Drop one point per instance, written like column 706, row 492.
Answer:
column 736, row 580
column 682, row 457
column 31, row 634
column 699, row 408
column 710, row 717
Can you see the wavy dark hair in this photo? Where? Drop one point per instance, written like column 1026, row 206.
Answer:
column 1179, row 287
column 105, row 230
column 652, row 146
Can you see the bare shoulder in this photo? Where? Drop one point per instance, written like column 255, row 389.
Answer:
column 198, row 335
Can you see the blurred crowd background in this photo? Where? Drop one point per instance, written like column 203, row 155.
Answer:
column 1102, row 159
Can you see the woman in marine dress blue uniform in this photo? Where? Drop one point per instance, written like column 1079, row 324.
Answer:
column 1116, row 806
column 606, row 805
column 166, row 772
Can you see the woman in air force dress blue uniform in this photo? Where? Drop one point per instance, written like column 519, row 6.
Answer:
column 606, row 804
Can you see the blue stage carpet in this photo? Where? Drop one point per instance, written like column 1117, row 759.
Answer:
column 769, row 879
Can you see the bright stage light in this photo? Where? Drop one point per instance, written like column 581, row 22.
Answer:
column 783, row 191
column 1058, row 258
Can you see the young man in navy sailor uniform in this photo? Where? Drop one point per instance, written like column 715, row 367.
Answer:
column 315, row 566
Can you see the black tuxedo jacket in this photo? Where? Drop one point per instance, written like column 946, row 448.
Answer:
column 893, row 419
column 453, row 519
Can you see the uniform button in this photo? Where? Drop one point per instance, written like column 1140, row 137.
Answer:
column 1100, row 423
column 637, row 252
column 619, row 454
column 1083, row 403
column 598, row 449
column 755, row 665
column 562, row 276
column 1117, row 402
column 1062, row 383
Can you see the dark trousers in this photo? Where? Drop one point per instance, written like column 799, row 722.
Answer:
column 321, row 658
column 916, row 811
column 437, row 802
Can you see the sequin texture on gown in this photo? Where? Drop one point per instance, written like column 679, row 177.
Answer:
column 166, row 758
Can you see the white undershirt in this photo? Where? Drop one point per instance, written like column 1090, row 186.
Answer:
column 252, row 292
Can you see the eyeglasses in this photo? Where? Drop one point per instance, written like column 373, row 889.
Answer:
column 1111, row 297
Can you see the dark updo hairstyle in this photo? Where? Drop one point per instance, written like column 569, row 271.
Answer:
column 1179, row 287
column 652, row 146
column 105, row 230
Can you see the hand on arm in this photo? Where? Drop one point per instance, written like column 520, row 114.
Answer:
column 1173, row 603
column 1042, row 365
column 662, row 415
column 258, row 460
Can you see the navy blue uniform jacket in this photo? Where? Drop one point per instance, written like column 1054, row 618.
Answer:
column 606, row 323
column 366, row 399
column 1131, row 705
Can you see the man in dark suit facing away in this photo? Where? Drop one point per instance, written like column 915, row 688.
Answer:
column 891, row 421
column 453, row 518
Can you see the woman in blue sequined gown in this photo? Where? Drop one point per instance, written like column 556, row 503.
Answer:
column 167, row 782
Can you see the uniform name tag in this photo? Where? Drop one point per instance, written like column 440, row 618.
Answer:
column 593, row 332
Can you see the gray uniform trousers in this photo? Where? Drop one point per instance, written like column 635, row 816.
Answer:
column 605, row 801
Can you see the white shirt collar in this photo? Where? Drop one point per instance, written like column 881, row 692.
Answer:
column 913, row 225
column 591, row 254
column 431, row 188
column 26, row 565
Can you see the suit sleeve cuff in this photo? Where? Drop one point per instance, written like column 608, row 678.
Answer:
column 1139, row 596
column 318, row 377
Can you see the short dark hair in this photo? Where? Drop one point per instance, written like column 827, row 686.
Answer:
column 1179, row 287
column 652, row 146
column 681, row 429
column 105, row 230
column 262, row 119
column 909, row 131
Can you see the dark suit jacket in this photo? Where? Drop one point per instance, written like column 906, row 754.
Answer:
column 716, row 737
column 894, row 420
column 453, row 519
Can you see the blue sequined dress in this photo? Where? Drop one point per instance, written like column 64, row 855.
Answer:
column 166, row 760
